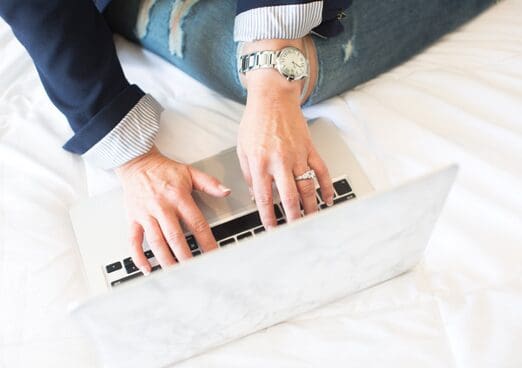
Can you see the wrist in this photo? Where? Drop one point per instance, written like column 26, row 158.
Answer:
column 270, row 81
column 135, row 163
column 264, row 82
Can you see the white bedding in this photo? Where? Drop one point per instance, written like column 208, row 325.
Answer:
column 459, row 101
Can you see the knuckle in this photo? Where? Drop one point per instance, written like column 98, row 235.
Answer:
column 135, row 239
column 290, row 198
column 158, row 209
column 173, row 236
column 155, row 241
column 260, row 158
column 323, row 171
column 307, row 190
column 200, row 225
column 264, row 200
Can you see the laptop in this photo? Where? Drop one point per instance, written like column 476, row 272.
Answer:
column 255, row 278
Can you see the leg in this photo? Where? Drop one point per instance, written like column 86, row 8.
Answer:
column 379, row 35
column 195, row 36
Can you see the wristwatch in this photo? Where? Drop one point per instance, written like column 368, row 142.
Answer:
column 290, row 62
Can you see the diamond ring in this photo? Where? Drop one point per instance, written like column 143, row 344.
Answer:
column 310, row 174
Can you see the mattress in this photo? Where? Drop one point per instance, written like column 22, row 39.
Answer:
column 458, row 101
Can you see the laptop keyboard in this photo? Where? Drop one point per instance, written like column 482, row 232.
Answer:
column 226, row 233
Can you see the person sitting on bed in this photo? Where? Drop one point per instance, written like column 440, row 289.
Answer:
column 281, row 67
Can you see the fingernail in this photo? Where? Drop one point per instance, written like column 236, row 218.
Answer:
column 329, row 202
column 145, row 271
column 223, row 188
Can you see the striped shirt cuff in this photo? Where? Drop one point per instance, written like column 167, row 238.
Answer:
column 280, row 21
column 132, row 137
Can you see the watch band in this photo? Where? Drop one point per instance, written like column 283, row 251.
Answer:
column 257, row 60
column 265, row 59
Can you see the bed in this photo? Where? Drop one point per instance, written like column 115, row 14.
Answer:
column 458, row 101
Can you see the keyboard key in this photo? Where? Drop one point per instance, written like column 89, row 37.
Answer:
column 236, row 226
column 281, row 221
column 318, row 199
column 113, row 267
column 339, row 200
column 196, row 253
column 278, row 213
column 133, row 276
column 149, row 254
column 126, row 278
column 226, row 242
column 320, row 196
column 127, row 260
column 130, row 267
column 344, row 199
column 342, row 187
column 244, row 235
column 193, row 245
column 259, row 230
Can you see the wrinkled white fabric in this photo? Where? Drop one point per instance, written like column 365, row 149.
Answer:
column 459, row 101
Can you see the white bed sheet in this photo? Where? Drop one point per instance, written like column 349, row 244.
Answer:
column 459, row 101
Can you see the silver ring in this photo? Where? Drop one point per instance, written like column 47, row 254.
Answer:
column 308, row 175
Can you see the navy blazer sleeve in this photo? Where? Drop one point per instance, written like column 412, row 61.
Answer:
column 73, row 50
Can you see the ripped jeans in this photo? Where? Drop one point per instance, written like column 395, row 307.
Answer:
column 197, row 37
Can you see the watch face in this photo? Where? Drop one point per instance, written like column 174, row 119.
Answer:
column 292, row 63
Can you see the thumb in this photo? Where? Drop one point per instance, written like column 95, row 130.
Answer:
column 208, row 184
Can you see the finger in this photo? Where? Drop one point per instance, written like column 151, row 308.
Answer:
column 323, row 177
column 208, row 184
column 306, row 189
column 197, row 224
column 245, row 169
column 262, row 187
column 157, row 243
column 288, row 193
column 136, row 240
column 173, row 234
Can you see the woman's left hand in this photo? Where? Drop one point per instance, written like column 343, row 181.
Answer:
column 274, row 145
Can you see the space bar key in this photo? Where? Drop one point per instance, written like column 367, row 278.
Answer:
column 236, row 226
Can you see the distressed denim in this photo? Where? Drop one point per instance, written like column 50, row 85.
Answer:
column 197, row 37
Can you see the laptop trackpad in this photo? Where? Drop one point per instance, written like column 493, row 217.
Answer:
column 225, row 167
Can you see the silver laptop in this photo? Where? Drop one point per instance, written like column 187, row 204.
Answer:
column 256, row 278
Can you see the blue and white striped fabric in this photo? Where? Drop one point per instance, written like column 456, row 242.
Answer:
column 132, row 137
column 278, row 21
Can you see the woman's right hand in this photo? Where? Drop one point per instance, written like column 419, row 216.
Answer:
column 157, row 193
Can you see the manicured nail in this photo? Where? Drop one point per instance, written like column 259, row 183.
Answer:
column 329, row 202
column 145, row 271
column 224, row 189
